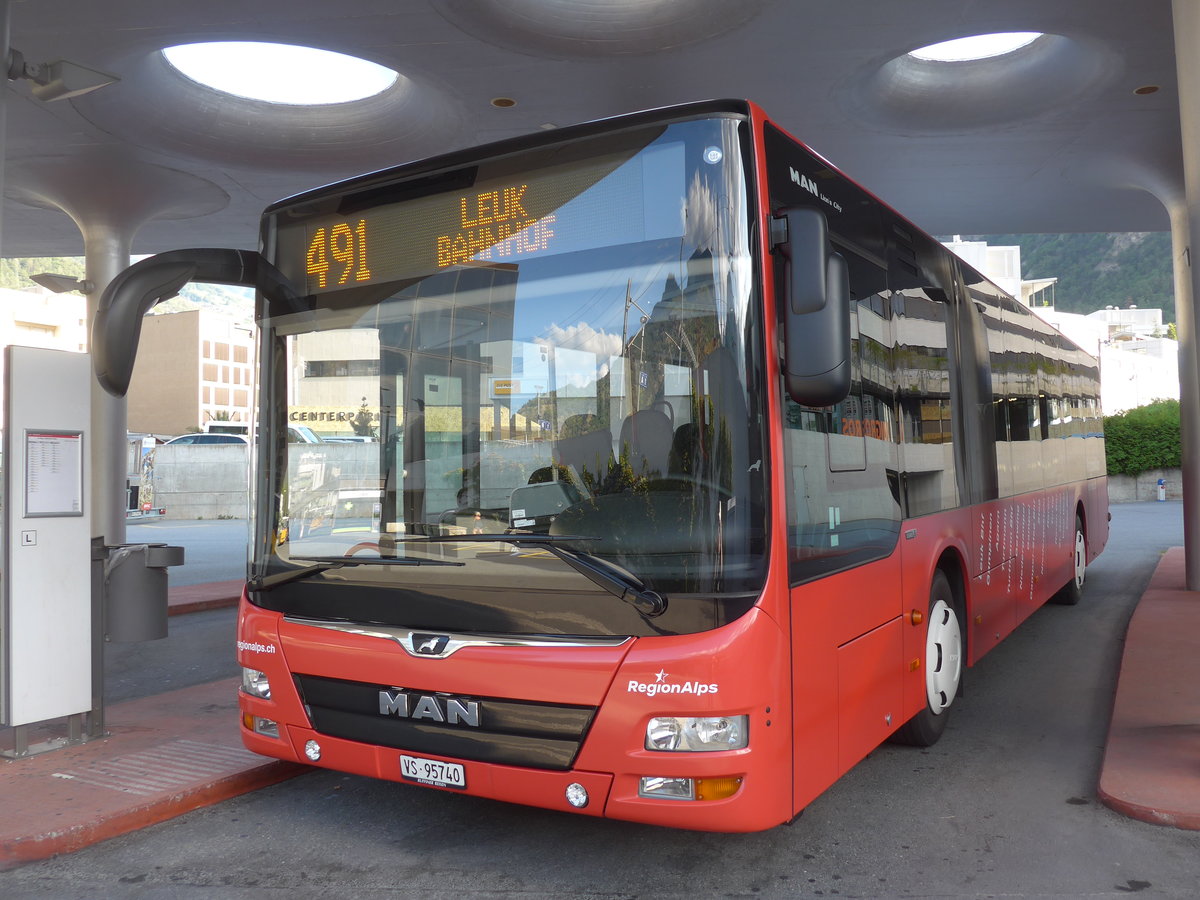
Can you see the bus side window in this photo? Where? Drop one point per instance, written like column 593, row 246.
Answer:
column 843, row 508
column 924, row 395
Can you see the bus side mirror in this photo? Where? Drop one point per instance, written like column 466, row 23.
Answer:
column 816, row 320
column 117, row 327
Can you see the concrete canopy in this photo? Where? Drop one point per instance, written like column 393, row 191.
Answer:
column 1081, row 130
column 1062, row 135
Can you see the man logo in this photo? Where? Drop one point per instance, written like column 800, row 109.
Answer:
column 430, row 707
column 429, row 644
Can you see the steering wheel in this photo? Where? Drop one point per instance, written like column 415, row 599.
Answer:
column 362, row 545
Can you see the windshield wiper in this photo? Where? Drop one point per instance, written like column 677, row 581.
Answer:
column 615, row 580
column 324, row 564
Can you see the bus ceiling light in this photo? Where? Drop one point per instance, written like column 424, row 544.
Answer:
column 697, row 734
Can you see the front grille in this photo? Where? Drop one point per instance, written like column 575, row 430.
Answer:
column 510, row 732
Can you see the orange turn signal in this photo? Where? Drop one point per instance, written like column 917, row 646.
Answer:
column 717, row 788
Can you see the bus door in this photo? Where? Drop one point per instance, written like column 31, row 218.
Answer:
column 843, row 527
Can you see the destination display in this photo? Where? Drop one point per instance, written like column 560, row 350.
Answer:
column 601, row 202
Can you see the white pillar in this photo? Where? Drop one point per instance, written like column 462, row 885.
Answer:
column 106, row 254
column 4, row 49
column 1185, row 224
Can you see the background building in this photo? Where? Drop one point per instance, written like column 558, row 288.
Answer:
column 39, row 318
column 192, row 367
column 1138, row 362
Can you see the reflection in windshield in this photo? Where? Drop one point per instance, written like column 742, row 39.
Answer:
column 590, row 381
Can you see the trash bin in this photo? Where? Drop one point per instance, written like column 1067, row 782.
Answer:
column 135, row 590
column 1162, row 489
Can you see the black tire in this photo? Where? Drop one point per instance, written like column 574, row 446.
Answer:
column 942, row 665
column 1072, row 592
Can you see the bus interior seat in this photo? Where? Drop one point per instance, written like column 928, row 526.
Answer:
column 585, row 445
column 646, row 436
column 685, row 450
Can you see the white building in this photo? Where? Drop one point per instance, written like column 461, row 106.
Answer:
column 1002, row 265
column 1138, row 363
column 39, row 318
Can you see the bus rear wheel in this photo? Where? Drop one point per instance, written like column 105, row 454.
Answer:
column 942, row 666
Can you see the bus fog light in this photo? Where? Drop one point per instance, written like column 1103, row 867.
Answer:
column 698, row 734
column 312, row 750
column 577, row 795
column 266, row 727
column 256, row 683
column 659, row 788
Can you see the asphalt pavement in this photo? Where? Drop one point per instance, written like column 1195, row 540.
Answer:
column 215, row 550
column 171, row 716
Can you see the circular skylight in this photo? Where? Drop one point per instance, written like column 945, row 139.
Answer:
column 280, row 73
column 979, row 46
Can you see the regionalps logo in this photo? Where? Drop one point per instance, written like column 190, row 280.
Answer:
column 660, row 685
column 255, row 647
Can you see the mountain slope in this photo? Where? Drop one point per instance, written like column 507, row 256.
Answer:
column 235, row 302
column 1099, row 270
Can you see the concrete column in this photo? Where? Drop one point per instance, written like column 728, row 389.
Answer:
column 1185, row 224
column 4, row 48
column 106, row 254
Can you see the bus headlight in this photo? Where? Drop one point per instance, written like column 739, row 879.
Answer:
column 255, row 683
column 697, row 734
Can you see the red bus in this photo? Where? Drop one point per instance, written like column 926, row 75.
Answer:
column 687, row 473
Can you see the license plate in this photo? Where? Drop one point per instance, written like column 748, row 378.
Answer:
column 433, row 772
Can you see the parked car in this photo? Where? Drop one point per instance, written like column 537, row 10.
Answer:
column 208, row 439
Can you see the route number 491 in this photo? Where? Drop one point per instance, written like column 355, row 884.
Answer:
column 338, row 254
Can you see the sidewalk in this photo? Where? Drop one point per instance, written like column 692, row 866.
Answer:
column 163, row 756
column 1151, row 765
column 197, row 597
column 172, row 753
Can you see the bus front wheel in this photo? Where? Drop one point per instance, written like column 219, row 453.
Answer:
column 1072, row 592
column 942, row 666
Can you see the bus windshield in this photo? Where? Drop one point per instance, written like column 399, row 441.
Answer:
column 557, row 342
